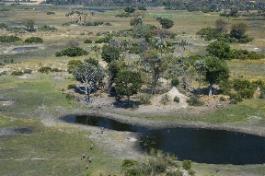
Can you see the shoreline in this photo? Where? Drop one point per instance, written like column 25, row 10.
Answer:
column 158, row 124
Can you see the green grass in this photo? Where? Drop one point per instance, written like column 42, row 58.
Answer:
column 50, row 151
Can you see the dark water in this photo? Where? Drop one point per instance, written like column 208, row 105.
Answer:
column 199, row 145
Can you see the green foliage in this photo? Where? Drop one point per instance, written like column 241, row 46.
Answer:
column 9, row 39
column 129, row 9
column 145, row 31
column 3, row 26
column 71, row 52
column 45, row 69
column 145, row 98
column 34, row 40
column 175, row 82
column 127, row 83
column 221, row 26
column 176, row 99
column 186, row 164
column 244, row 54
column 103, row 39
column 219, row 49
column 71, row 86
column 50, row 13
column 216, row 70
column 165, row 23
column 88, row 41
column 244, row 88
column 194, row 101
column 238, row 33
column 142, row 7
column 110, row 53
column 93, row 23
column 17, row 73
column 72, row 65
column 47, row 28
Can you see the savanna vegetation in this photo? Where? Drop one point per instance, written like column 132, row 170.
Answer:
column 194, row 62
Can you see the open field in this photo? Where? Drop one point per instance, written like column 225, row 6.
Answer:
column 35, row 101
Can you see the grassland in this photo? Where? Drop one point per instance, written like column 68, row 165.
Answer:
column 57, row 150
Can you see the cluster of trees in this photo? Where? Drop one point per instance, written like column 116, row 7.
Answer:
column 237, row 32
column 191, row 5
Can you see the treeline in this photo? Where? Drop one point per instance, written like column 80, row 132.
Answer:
column 191, row 5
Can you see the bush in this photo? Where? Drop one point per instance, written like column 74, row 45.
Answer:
column 176, row 99
column 27, row 71
column 50, row 13
column 219, row 49
column 17, row 73
column 110, row 53
column 47, row 28
column 94, row 23
column 72, row 52
column 165, row 99
column 71, row 86
column 244, row 88
column 3, row 26
column 72, row 65
column 235, row 98
column 174, row 82
column 244, row 54
column 88, row 41
column 123, row 14
column 9, row 39
column 105, row 39
column 142, row 8
column 34, row 40
column 45, row 69
column 165, row 23
column 186, row 164
column 208, row 33
column 194, row 101
column 129, row 9
column 145, row 98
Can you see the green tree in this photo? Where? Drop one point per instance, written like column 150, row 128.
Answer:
column 216, row 71
column 90, row 74
column 165, row 23
column 110, row 53
column 153, row 64
column 128, row 83
column 219, row 49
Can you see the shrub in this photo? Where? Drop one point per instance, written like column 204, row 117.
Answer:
column 45, row 69
column 174, row 82
column 244, row 88
column 235, row 98
column 219, row 49
column 103, row 39
column 142, row 8
column 186, row 164
column 34, row 40
column 129, row 9
column 27, row 71
column 176, row 99
column 71, row 86
column 175, row 173
column 72, row 52
column 17, row 73
column 3, row 26
column 194, row 101
column 208, row 33
column 9, row 39
column 72, row 65
column 165, row 99
column 110, row 53
column 88, row 41
column 244, row 54
column 123, row 14
column 165, row 23
column 94, row 23
column 145, row 98
column 50, row 13
column 47, row 28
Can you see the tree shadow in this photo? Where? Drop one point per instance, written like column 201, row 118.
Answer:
column 205, row 91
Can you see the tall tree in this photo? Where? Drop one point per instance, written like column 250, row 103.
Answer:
column 128, row 83
column 90, row 74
